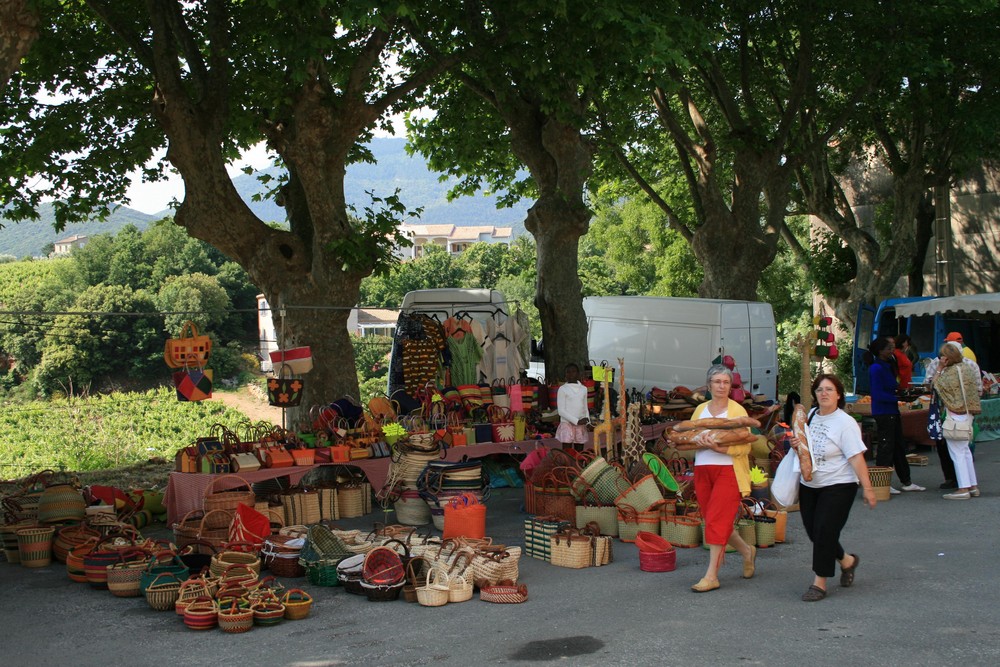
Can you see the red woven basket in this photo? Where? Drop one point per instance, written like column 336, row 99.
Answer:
column 663, row 561
column 651, row 542
column 383, row 567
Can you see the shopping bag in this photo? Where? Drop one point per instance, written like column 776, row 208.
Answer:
column 284, row 391
column 934, row 428
column 187, row 350
column 193, row 384
column 785, row 487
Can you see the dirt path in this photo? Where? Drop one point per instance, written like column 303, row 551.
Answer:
column 254, row 408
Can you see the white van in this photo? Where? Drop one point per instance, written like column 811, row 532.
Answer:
column 668, row 341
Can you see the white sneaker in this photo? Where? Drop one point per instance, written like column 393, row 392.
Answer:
column 913, row 487
column 893, row 491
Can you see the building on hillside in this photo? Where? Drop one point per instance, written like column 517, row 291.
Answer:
column 360, row 322
column 66, row 245
column 453, row 238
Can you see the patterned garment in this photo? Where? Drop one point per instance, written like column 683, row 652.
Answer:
column 465, row 356
column 420, row 364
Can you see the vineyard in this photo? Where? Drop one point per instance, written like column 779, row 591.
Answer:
column 114, row 431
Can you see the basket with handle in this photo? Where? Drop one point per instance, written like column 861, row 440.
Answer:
column 106, row 552
column 268, row 612
column 436, row 589
column 349, row 571
column 591, row 509
column 297, row 603
column 281, row 555
column 68, row 537
column 75, row 569
column 496, row 563
column 202, row 613
column 225, row 500
column 416, row 570
column 640, row 495
column 235, row 616
column 780, row 517
column 215, row 536
column 191, row 590
column 162, row 561
column 553, row 495
column 123, row 577
column 162, row 593
column 224, row 559
column 681, row 530
column 764, row 525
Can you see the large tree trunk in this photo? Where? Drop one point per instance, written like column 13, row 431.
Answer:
column 557, row 227
column 18, row 31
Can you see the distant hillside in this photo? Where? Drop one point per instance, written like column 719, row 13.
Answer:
column 26, row 239
column 418, row 186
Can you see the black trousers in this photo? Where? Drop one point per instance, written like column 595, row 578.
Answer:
column 824, row 513
column 889, row 448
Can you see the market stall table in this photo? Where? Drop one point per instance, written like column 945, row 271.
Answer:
column 914, row 421
column 988, row 422
column 186, row 491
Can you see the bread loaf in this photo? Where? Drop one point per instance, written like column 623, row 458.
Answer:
column 716, row 422
column 799, row 422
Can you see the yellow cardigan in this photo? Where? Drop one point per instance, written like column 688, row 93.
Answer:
column 741, row 463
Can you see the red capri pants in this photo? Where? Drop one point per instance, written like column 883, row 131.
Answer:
column 719, row 497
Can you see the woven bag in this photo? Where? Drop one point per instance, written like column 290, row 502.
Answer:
column 496, row 563
column 504, row 593
column 681, row 531
column 61, row 502
column 571, row 549
column 537, row 531
column 302, row 507
column 554, row 497
column 641, row 495
column 591, row 509
column 226, row 499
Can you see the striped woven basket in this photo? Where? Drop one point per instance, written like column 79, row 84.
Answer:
column 34, row 546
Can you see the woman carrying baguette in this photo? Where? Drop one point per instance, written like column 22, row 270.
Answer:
column 721, row 479
column 838, row 466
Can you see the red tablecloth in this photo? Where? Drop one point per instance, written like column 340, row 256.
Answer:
column 186, row 491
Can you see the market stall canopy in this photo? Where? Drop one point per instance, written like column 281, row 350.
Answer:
column 970, row 303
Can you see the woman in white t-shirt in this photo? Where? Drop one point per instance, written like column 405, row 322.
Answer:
column 838, row 467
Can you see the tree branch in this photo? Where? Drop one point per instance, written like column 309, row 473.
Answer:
column 124, row 32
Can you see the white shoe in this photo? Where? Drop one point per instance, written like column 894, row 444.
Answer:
column 958, row 495
column 913, row 487
column 893, row 491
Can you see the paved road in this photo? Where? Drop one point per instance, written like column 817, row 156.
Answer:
column 926, row 594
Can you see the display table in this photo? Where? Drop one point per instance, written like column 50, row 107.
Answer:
column 989, row 420
column 186, row 491
column 914, row 421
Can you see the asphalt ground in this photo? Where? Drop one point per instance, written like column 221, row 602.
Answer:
column 925, row 594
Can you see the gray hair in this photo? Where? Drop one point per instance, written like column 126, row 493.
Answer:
column 718, row 369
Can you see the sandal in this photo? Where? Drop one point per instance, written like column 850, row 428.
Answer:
column 813, row 594
column 847, row 573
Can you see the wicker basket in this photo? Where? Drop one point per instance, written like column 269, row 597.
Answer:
column 34, row 546
column 504, row 593
column 201, row 614
column 236, row 616
column 436, row 590
column 280, row 554
column 191, row 590
column 297, row 603
column 681, row 531
column 268, row 613
column 8, row 533
column 61, row 502
column 224, row 559
column 350, row 571
column 412, row 510
column 226, row 500
column 881, row 478
column 641, row 495
column 70, row 537
column 162, row 593
column 353, row 499
column 123, row 578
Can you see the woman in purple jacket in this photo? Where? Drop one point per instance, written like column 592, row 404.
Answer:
column 890, row 450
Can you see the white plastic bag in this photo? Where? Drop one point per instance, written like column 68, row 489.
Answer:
column 785, row 487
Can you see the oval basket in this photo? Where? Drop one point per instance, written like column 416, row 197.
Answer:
column 236, row 616
column 297, row 603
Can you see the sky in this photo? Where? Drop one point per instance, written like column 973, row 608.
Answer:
column 152, row 198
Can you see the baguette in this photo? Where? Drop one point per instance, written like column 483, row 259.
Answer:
column 695, row 444
column 799, row 422
column 716, row 422
column 717, row 436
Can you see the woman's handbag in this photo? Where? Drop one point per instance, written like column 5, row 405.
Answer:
column 190, row 350
column 959, row 430
column 283, row 390
column 935, row 428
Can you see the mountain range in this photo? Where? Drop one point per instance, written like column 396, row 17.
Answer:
column 394, row 168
